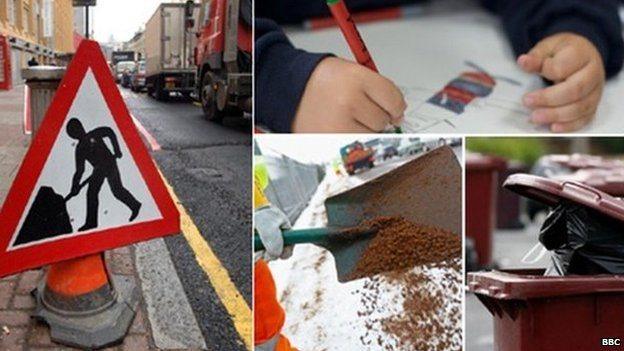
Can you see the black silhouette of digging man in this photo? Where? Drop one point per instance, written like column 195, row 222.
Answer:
column 48, row 216
column 92, row 148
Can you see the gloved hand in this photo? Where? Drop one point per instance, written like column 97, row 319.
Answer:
column 269, row 222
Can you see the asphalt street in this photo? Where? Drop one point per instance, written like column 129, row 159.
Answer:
column 208, row 166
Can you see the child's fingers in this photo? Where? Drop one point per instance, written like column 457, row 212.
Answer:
column 563, row 64
column 397, row 121
column 385, row 94
column 566, row 127
column 356, row 127
column 533, row 60
column 572, row 89
column 369, row 114
column 530, row 63
column 346, row 125
column 584, row 107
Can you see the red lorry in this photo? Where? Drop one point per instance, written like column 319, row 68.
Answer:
column 223, row 57
column 356, row 156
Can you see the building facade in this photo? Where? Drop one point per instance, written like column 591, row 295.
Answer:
column 136, row 44
column 40, row 29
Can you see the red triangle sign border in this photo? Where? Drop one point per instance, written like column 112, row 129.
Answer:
column 88, row 56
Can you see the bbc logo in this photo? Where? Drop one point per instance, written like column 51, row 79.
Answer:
column 611, row 342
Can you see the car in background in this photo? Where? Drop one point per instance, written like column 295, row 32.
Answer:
column 137, row 80
column 411, row 147
column 122, row 72
column 389, row 151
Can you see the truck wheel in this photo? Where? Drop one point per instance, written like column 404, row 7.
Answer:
column 209, row 99
column 160, row 93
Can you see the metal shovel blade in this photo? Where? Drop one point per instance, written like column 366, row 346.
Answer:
column 425, row 190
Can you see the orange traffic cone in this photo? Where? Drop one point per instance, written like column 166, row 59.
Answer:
column 83, row 306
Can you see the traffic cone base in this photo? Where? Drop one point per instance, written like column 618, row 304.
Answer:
column 84, row 305
column 91, row 329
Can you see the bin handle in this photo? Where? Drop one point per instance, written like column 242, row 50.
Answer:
column 525, row 258
column 584, row 187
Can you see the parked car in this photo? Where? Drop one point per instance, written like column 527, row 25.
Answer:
column 137, row 81
column 390, row 151
column 408, row 148
column 122, row 70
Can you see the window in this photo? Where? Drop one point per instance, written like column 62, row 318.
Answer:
column 26, row 20
column 11, row 11
column 206, row 13
column 37, row 19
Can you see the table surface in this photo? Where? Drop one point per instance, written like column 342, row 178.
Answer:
column 421, row 54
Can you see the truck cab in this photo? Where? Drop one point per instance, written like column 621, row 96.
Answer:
column 357, row 156
column 223, row 57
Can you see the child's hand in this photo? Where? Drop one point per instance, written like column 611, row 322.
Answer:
column 342, row 96
column 575, row 66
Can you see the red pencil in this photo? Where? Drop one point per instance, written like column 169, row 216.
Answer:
column 351, row 34
column 354, row 39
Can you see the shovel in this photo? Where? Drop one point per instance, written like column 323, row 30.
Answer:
column 80, row 186
column 425, row 190
column 345, row 244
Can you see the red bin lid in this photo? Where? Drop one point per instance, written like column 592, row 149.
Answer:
column 523, row 284
column 552, row 191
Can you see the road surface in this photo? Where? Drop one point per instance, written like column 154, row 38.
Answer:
column 208, row 166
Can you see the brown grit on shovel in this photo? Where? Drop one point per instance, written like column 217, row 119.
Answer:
column 400, row 244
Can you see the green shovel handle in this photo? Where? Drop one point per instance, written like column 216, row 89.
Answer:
column 297, row 236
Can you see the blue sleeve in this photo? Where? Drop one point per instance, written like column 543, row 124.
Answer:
column 526, row 22
column 281, row 75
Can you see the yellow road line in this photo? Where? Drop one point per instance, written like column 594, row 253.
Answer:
column 234, row 303
column 197, row 103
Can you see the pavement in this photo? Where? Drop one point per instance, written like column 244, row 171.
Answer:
column 196, row 286
column 13, row 142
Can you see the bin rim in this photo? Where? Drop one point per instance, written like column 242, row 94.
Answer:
column 611, row 180
column 481, row 162
column 43, row 73
column 552, row 191
column 524, row 284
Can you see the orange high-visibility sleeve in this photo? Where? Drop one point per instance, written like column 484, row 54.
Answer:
column 268, row 314
column 284, row 345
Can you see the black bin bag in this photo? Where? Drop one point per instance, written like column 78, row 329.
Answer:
column 582, row 241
